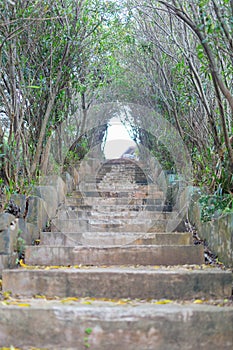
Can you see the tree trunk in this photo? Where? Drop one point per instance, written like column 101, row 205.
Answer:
column 50, row 106
column 45, row 156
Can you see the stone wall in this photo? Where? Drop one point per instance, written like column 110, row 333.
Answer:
column 218, row 232
column 8, row 240
column 36, row 211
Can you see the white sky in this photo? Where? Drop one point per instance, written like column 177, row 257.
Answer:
column 118, row 140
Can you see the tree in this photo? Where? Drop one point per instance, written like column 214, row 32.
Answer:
column 185, row 56
column 55, row 56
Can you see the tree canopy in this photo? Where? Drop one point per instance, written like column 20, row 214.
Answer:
column 58, row 58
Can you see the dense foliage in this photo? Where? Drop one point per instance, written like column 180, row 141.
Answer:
column 55, row 56
column 182, row 57
column 59, row 57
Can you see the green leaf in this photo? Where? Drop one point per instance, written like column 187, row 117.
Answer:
column 88, row 331
column 34, row 87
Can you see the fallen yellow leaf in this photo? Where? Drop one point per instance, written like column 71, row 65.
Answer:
column 6, row 295
column 198, row 301
column 23, row 304
column 67, row 300
column 53, row 267
column 86, row 302
column 37, row 296
column 14, row 302
column 21, row 263
column 162, row 302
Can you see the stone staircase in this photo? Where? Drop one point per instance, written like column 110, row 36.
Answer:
column 110, row 275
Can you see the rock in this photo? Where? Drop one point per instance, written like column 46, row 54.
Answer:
column 37, row 213
column 50, row 197
column 8, row 233
column 20, row 201
column 13, row 208
column 69, row 180
column 58, row 184
column 9, row 230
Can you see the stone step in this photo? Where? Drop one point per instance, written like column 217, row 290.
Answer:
column 103, row 219
column 115, row 255
column 122, row 190
column 120, row 178
column 114, row 201
column 105, row 207
column 114, row 225
column 70, row 212
column 107, row 326
column 115, row 282
column 90, row 185
column 113, row 193
column 110, row 238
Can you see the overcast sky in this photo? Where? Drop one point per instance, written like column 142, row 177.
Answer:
column 118, row 140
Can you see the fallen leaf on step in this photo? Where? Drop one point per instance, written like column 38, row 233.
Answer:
column 6, row 295
column 198, row 301
column 86, row 302
column 162, row 302
column 37, row 296
column 22, row 304
column 13, row 302
column 69, row 299
column 21, row 263
column 53, row 267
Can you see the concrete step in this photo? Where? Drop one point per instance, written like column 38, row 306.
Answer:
column 120, row 207
column 112, row 238
column 122, row 191
column 114, row 201
column 152, row 187
column 77, row 213
column 93, row 185
column 114, row 255
column 115, row 282
column 107, row 326
column 113, row 193
column 149, row 211
column 114, row 225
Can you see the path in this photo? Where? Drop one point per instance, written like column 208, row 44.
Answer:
column 110, row 277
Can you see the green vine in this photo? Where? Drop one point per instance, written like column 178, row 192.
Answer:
column 215, row 206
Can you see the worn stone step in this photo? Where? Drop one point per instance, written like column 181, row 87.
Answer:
column 121, row 176
column 115, row 255
column 141, row 186
column 124, row 196
column 112, row 238
column 120, row 188
column 113, row 282
column 114, row 201
column 75, row 212
column 121, row 192
column 92, row 185
column 113, row 225
column 121, row 207
column 147, row 214
column 55, row 325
